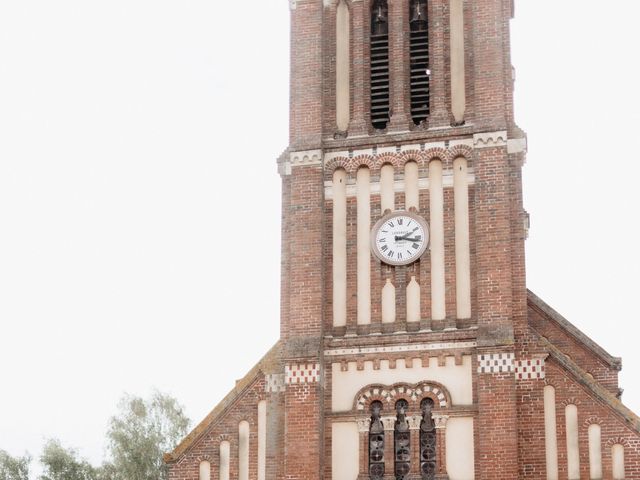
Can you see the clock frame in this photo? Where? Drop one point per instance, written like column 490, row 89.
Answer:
column 393, row 218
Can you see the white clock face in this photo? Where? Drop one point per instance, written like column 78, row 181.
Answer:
column 399, row 238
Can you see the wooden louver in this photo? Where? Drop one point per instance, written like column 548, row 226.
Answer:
column 379, row 65
column 419, row 61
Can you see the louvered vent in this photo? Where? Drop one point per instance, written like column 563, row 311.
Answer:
column 419, row 55
column 379, row 65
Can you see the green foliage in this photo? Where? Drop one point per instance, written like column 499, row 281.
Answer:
column 61, row 463
column 14, row 468
column 138, row 436
column 141, row 432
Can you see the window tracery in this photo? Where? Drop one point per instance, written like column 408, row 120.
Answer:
column 427, row 441
column 376, row 442
column 402, row 441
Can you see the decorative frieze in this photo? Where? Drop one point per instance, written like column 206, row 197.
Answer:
column 302, row 373
column 496, row 363
column 490, row 139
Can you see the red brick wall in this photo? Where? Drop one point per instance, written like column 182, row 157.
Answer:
column 225, row 427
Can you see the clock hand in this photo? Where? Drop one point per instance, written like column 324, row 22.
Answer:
column 406, row 237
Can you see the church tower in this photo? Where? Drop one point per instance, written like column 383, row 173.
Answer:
column 410, row 347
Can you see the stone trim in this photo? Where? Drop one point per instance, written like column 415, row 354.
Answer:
column 299, row 159
column 417, row 347
column 490, row 139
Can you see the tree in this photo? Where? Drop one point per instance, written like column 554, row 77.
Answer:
column 60, row 463
column 14, row 468
column 141, row 432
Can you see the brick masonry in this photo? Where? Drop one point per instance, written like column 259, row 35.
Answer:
column 518, row 344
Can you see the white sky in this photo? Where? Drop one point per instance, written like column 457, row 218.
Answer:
column 135, row 134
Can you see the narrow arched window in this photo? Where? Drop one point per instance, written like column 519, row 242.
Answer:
column 402, row 441
column 427, row 441
column 419, row 60
column 379, row 64
column 205, row 471
column 376, row 443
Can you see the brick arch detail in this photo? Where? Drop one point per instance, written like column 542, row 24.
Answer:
column 413, row 393
column 570, row 401
column 618, row 441
column 360, row 161
column 335, row 164
column 460, row 151
column 411, row 156
column 593, row 419
column 436, row 153
column 387, row 158
column 397, row 160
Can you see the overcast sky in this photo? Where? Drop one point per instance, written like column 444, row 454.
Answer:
column 129, row 131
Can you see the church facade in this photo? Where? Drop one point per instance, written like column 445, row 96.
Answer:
column 410, row 347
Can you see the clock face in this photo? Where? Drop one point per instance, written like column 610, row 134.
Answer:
column 399, row 238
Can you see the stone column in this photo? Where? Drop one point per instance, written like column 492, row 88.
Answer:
column 389, row 453
column 414, row 427
column 363, row 430
column 441, row 459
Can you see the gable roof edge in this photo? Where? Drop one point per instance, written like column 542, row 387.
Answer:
column 544, row 308
column 263, row 366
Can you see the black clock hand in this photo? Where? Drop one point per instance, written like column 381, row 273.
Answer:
column 406, row 237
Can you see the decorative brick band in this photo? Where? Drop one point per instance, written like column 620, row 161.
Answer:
column 496, row 363
column 530, row 369
column 274, row 382
column 302, row 373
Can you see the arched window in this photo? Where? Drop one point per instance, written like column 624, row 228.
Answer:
column 243, row 450
column 379, row 64
column 205, row 471
column 376, row 443
column 419, row 60
column 427, row 441
column 402, row 441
